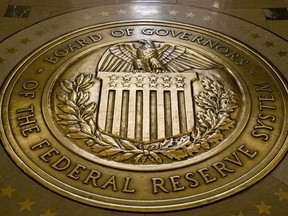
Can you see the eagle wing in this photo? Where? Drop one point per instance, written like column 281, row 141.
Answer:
column 118, row 58
column 178, row 59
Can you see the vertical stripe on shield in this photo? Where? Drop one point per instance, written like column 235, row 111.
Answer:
column 160, row 115
column 167, row 113
column 189, row 106
column 182, row 111
column 153, row 116
column 139, row 116
column 117, row 112
column 132, row 115
column 110, row 111
column 124, row 114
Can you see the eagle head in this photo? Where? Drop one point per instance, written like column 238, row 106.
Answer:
column 146, row 43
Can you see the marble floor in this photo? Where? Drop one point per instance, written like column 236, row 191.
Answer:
column 26, row 24
column 18, row 14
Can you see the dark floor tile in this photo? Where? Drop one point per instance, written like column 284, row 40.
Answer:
column 276, row 13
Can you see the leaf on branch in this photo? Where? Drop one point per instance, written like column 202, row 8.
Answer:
column 206, row 83
column 143, row 159
column 87, row 78
column 127, row 145
column 222, row 119
column 201, row 120
column 64, row 88
column 205, row 145
column 68, row 117
column 86, row 86
column 217, row 88
column 210, row 117
column 89, row 110
column 78, row 135
column 62, row 97
column 71, row 104
column 79, row 97
column 175, row 154
column 152, row 146
column 139, row 157
column 184, row 141
column 215, row 138
column 204, row 100
column 68, row 84
column 196, row 134
column 92, row 125
column 67, row 109
column 84, row 97
column 211, row 94
column 85, row 128
column 79, row 79
column 151, row 158
column 66, row 122
column 229, row 124
column 99, row 148
column 73, row 97
column 228, row 106
column 157, row 158
column 73, row 128
column 100, row 142
column 109, row 152
column 123, row 157
column 228, row 95
column 192, row 150
column 167, row 144
column 108, row 140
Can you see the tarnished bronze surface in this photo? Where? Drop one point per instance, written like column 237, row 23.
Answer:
column 145, row 116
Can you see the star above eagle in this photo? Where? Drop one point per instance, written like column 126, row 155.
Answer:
column 154, row 58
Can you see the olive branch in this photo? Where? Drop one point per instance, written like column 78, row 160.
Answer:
column 78, row 116
column 77, row 113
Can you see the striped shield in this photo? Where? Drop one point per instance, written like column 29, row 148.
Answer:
column 146, row 107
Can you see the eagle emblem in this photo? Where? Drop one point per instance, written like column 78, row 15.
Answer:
column 146, row 89
column 154, row 57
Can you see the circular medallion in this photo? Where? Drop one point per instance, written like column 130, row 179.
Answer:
column 145, row 115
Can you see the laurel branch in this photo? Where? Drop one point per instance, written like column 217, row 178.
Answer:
column 78, row 116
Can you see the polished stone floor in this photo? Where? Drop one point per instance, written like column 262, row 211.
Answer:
column 18, row 14
column 261, row 24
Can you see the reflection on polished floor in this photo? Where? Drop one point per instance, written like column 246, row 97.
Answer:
column 18, row 14
column 20, row 195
